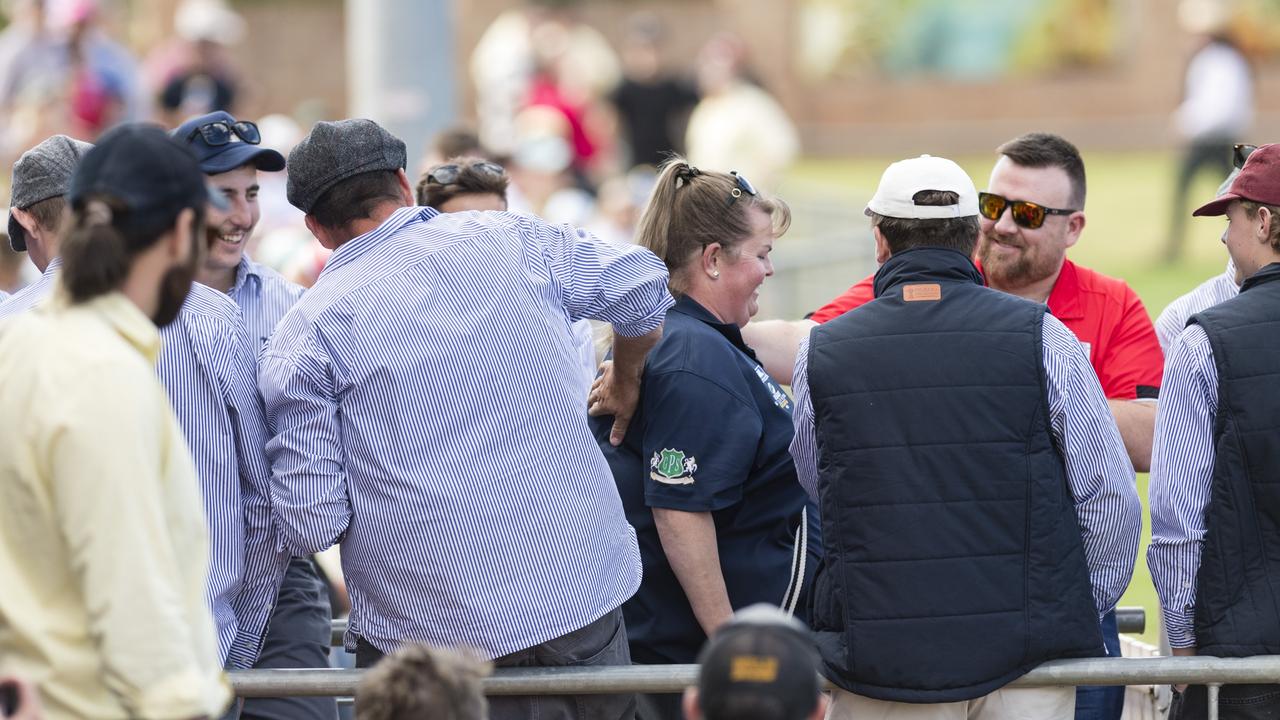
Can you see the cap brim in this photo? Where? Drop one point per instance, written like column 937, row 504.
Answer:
column 238, row 154
column 17, row 236
column 216, row 198
column 1217, row 207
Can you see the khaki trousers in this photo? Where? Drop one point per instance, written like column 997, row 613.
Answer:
column 1053, row 703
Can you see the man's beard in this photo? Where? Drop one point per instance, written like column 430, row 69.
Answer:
column 175, row 285
column 1030, row 265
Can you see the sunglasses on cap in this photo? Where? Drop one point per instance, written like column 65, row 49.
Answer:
column 1026, row 214
column 448, row 174
column 1240, row 153
column 220, row 132
column 743, row 186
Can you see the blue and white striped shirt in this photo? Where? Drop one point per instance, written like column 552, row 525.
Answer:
column 1173, row 320
column 1098, row 468
column 264, row 296
column 207, row 368
column 426, row 402
column 1182, row 459
column 31, row 295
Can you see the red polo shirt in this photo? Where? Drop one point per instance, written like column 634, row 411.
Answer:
column 1104, row 313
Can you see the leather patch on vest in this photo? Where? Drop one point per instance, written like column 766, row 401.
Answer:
column 922, row 293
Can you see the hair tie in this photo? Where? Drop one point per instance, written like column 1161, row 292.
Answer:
column 97, row 212
column 687, row 173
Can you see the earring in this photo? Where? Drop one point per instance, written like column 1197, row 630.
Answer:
column 715, row 274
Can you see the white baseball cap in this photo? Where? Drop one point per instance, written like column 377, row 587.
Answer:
column 903, row 179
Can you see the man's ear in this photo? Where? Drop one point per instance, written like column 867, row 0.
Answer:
column 820, row 710
column 1266, row 220
column 320, row 232
column 26, row 220
column 691, row 709
column 406, row 189
column 882, row 245
column 1075, row 226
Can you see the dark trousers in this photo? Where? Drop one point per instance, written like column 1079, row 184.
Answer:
column 1235, row 702
column 298, row 637
column 603, row 642
column 1214, row 154
column 1105, row 702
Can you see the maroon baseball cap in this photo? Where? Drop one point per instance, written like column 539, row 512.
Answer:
column 1259, row 181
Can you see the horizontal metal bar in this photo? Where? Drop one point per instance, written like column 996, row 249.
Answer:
column 674, row 678
column 1131, row 620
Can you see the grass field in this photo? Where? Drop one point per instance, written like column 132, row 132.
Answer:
column 1128, row 212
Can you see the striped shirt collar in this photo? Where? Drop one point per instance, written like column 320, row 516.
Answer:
column 357, row 246
column 245, row 270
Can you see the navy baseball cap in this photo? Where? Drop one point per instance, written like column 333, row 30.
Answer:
column 763, row 659
column 150, row 174
column 241, row 146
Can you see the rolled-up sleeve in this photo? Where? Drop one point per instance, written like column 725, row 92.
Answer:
column 264, row 564
column 623, row 285
column 308, row 477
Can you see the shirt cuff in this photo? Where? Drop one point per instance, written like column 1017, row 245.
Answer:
column 647, row 324
column 1180, row 627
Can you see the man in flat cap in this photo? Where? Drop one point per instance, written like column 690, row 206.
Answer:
column 39, row 183
column 427, row 413
column 1215, row 507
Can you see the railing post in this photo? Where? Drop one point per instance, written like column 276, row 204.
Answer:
column 1213, row 700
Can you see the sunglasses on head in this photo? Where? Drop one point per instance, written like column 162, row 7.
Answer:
column 449, row 174
column 219, row 132
column 743, row 186
column 1026, row 214
column 1240, row 153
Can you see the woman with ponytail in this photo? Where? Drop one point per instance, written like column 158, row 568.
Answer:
column 102, row 530
column 704, row 470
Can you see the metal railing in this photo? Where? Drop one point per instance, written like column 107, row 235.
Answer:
column 1130, row 620
column 1208, row 671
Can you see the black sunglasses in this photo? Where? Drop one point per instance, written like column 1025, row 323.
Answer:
column 1026, row 214
column 1240, row 153
column 744, row 186
column 449, row 174
column 219, row 132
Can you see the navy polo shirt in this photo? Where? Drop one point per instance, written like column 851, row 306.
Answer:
column 711, row 434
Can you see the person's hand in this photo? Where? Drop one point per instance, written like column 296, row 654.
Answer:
column 614, row 394
column 26, row 701
column 1183, row 652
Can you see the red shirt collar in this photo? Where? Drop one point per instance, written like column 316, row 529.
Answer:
column 1064, row 298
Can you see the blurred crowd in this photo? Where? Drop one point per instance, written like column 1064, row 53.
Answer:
column 579, row 125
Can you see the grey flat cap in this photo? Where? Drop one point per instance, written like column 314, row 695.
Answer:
column 41, row 173
column 335, row 151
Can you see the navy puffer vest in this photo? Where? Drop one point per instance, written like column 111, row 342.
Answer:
column 1238, row 585
column 954, row 560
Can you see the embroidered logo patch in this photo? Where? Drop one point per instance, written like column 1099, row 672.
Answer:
column 779, row 398
column 671, row 467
